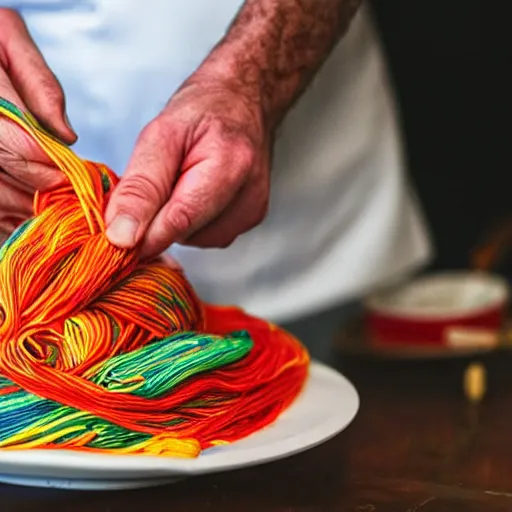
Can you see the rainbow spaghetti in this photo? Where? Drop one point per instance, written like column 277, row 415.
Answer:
column 102, row 352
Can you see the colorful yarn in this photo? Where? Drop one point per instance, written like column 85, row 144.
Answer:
column 102, row 352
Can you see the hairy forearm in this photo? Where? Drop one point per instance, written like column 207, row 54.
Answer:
column 274, row 47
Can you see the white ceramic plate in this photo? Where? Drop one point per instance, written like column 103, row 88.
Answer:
column 325, row 407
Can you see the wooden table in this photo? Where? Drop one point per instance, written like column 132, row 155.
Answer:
column 416, row 446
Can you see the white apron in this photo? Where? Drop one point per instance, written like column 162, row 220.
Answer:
column 342, row 218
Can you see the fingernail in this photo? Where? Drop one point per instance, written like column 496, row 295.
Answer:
column 122, row 231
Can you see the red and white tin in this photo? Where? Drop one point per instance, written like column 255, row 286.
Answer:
column 453, row 309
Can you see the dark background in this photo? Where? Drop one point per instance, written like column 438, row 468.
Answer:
column 458, row 162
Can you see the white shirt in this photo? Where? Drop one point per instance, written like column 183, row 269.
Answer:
column 342, row 217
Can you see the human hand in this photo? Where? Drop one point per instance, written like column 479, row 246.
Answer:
column 26, row 81
column 199, row 173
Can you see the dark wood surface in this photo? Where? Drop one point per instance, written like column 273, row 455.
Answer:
column 417, row 445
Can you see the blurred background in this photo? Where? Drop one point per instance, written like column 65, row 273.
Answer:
column 435, row 59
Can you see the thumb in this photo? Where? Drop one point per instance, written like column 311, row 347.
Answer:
column 145, row 186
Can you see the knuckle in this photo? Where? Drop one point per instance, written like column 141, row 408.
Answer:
column 243, row 154
column 152, row 129
column 139, row 190
column 233, row 140
column 232, row 180
column 157, row 130
column 160, row 140
column 179, row 219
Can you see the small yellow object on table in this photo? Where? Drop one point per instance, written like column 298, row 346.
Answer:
column 475, row 382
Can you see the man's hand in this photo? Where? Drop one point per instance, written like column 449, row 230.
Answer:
column 199, row 173
column 26, row 81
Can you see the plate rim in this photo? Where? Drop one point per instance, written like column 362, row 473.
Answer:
column 144, row 467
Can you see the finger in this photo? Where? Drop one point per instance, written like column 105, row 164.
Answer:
column 146, row 184
column 31, row 77
column 170, row 262
column 23, row 159
column 4, row 235
column 6, row 229
column 31, row 176
column 42, row 177
column 7, row 90
column 8, row 225
column 248, row 209
column 14, row 201
column 7, row 178
column 201, row 194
